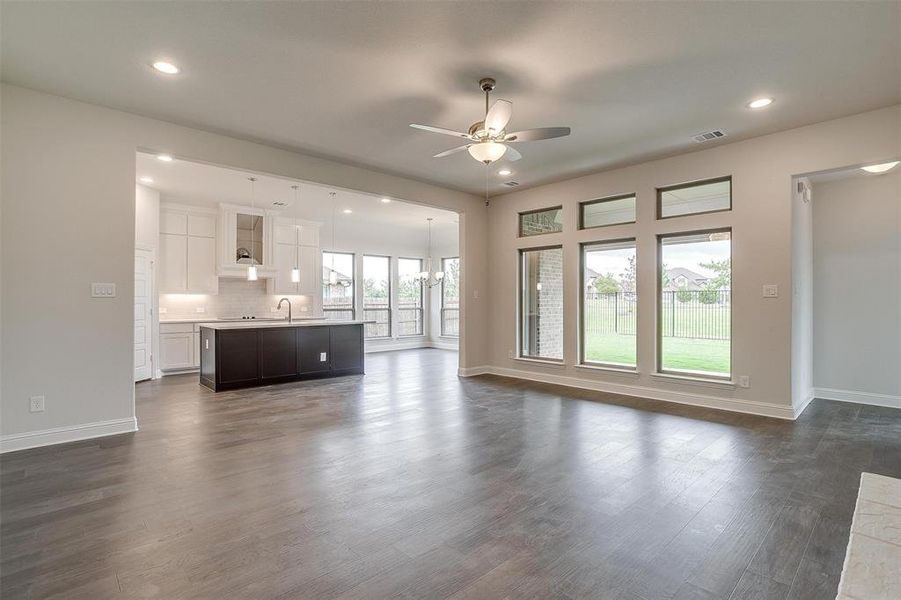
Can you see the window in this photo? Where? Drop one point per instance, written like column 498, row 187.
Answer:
column 607, row 211
column 450, row 297
column 338, row 286
column 377, row 296
column 409, row 297
column 694, row 323
column 545, row 220
column 713, row 195
column 609, row 304
column 541, row 303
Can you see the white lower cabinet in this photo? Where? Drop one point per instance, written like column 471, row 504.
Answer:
column 179, row 346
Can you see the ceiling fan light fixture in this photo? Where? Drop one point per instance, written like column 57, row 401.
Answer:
column 487, row 152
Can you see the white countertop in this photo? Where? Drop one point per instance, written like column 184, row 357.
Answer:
column 252, row 324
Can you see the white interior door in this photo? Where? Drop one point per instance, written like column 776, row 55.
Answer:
column 143, row 315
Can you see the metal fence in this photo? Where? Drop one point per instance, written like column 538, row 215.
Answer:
column 696, row 314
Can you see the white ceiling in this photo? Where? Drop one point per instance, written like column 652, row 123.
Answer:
column 208, row 185
column 634, row 80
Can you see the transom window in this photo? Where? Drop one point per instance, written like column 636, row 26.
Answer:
column 544, row 220
column 615, row 210
column 712, row 195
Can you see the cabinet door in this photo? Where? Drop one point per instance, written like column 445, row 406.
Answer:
column 196, row 344
column 278, row 352
column 347, row 347
column 284, row 263
column 313, row 353
column 173, row 263
column 237, row 353
column 310, row 272
column 201, row 265
column 308, row 235
column 176, row 351
column 175, row 222
column 284, row 231
column 202, row 225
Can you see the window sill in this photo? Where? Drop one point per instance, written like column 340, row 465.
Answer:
column 609, row 369
column 539, row 361
column 695, row 380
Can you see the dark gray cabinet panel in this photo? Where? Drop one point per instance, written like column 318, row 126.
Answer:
column 237, row 351
column 278, row 353
column 347, row 347
column 312, row 343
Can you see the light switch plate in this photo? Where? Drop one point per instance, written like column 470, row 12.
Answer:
column 744, row 381
column 770, row 291
column 103, row 290
column 323, row 356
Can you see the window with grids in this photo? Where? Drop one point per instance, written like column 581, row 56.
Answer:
column 409, row 297
column 541, row 303
column 377, row 296
column 450, row 297
column 338, row 286
column 694, row 321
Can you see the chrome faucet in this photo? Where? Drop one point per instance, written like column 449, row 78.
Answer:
column 289, row 307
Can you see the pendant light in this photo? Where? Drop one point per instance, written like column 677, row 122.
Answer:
column 333, row 275
column 252, row 269
column 295, row 272
column 427, row 277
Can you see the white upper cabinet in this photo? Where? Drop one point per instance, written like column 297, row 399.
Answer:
column 187, row 250
column 296, row 244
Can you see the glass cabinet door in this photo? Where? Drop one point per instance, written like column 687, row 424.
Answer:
column 249, row 236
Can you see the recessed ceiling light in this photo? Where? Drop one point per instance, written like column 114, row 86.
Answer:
column 504, row 172
column 164, row 157
column 146, row 180
column 760, row 103
column 881, row 168
column 165, row 67
column 347, row 211
column 386, row 200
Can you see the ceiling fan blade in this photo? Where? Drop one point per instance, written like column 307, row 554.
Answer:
column 541, row 133
column 440, row 130
column 499, row 115
column 452, row 151
column 512, row 153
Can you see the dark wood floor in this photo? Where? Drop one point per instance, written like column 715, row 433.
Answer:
column 410, row 482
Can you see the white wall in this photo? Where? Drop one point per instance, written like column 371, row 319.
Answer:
column 68, row 176
column 762, row 170
column 802, row 293
column 857, row 288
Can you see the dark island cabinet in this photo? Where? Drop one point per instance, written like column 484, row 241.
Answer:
column 314, row 349
column 246, row 357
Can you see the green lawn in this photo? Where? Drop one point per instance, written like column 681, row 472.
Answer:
column 684, row 354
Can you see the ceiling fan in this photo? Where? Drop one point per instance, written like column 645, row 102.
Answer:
column 488, row 139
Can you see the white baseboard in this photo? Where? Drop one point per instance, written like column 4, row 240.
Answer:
column 61, row 435
column 473, row 371
column 444, row 344
column 716, row 402
column 389, row 344
column 886, row 400
column 802, row 406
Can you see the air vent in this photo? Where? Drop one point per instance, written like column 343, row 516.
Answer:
column 511, row 183
column 279, row 203
column 708, row 136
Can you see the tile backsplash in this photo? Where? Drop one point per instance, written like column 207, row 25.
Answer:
column 236, row 298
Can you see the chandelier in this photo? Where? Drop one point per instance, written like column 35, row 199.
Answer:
column 427, row 277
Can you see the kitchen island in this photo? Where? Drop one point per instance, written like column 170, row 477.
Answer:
column 247, row 354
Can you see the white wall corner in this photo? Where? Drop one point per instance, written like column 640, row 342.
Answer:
column 799, row 407
column 62, row 435
column 473, row 371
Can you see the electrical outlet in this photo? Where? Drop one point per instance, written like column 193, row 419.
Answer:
column 200, row 309
column 323, row 356
column 36, row 404
column 509, row 353
column 744, row 381
column 475, row 294
column 304, row 309
column 163, row 310
column 770, row 291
